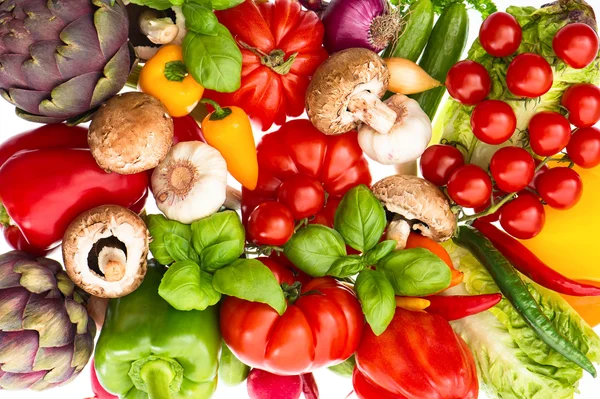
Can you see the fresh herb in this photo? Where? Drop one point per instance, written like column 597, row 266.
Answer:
column 379, row 252
column 484, row 7
column 160, row 227
column 200, row 19
column 314, row 249
column 346, row 266
column 377, row 299
column 186, row 287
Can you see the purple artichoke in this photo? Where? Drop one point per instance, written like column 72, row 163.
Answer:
column 62, row 58
column 46, row 335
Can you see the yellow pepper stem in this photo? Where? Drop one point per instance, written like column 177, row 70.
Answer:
column 219, row 113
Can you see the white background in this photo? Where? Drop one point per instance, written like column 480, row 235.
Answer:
column 331, row 386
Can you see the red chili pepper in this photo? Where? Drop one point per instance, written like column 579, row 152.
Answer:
column 458, row 306
column 530, row 265
column 43, row 191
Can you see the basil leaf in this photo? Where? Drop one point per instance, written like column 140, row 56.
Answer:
column 200, row 19
column 225, row 4
column 159, row 226
column 314, row 249
column 179, row 248
column 379, row 252
column 360, row 218
column 346, row 266
column 185, row 287
column 232, row 371
column 249, row 279
column 376, row 296
column 415, row 272
column 219, row 239
column 156, row 4
column 214, row 61
column 345, row 368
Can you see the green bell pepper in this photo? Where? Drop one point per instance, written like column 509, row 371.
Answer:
column 148, row 349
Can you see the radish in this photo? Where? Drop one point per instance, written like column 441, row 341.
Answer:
column 264, row 385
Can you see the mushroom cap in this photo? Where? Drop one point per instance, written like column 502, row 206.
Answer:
column 420, row 202
column 130, row 133
column 344, row 74
column 94, row 225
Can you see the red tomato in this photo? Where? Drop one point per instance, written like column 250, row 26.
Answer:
column 500, row 34
column 576, row 44
column 418, row 357
column 337, row 162
column 274, row 84
column 582, row 100
column 523, row 217
column 493, row 121
column 468, row 82
column 512, row 168
column 469, row 186
column 303, row 195
column 271, row 223
column 439, row 161
column 561, row 188
column 549, row 133
column 529, row 75
column 584, row 147
column 323, row 327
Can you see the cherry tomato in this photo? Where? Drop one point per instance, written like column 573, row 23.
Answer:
column 439, row 161
column 529, row 75
column 493, row 121
column 561, row 187
column 500, row 34
column 582, row 100
column 512, row 169
column 549, row 133
column 468, row 82
column 584, row 147
column 576, row 44
column 523, row 217
column 469, row 186
column 271, row 223
column 303, row 195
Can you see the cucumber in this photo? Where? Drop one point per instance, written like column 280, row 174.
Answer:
column 444, row 49
column 413, row 38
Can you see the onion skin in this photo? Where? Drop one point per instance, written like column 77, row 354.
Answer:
column 406, row 77
column 348, row 24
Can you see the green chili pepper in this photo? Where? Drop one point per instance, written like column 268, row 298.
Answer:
column 513, row 288
column 147, row 349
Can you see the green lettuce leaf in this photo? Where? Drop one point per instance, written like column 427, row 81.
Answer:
column 512, row 362
column 539, row 27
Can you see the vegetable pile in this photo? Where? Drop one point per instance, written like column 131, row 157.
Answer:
column 271, row 257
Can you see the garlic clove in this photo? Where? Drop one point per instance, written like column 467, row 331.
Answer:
column 191, row 182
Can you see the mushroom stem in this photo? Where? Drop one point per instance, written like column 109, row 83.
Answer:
column 158, row 30
column 398, row 230
column 234, row 199
column 367, row 107
column 112, row 262
column 407, row 168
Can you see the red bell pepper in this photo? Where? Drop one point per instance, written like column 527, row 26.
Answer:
column 186, row 128
column 282, row 46
column 530, row 265
column 454, row 307
column 42, row 191
column 336, row 162
column 418, row 357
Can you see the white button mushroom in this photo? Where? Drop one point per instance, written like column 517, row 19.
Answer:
column 105, row 251
column 416, row 205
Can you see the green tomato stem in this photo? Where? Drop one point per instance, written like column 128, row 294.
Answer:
column 471, row 150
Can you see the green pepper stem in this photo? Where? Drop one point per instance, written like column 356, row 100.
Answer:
column 158, row 375
column 219, row 113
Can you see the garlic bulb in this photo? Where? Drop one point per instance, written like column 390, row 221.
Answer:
column 191, row 182
column 407, row 139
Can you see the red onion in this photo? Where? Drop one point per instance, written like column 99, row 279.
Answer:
column 370, row 24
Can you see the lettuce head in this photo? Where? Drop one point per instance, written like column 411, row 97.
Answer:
column 512, row 362
column 539, row 27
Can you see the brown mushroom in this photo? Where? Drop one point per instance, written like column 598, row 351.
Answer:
column 346, row 90
column 416, row 205
column 105, row 251
column 130, row 133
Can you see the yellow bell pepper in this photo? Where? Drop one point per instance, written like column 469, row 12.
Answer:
column 165, row 77
column 570, row 242
column 229, row 130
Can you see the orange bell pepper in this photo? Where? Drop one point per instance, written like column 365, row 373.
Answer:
column 229, row 131
column 165, row 77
